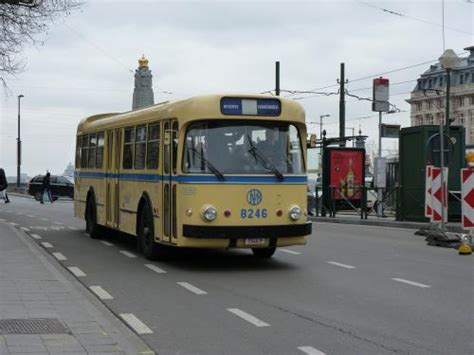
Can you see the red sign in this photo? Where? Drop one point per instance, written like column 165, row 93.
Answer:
column 346, row 173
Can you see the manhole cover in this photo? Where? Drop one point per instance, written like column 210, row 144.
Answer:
column 32, row 326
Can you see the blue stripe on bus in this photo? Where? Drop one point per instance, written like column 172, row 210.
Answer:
column 196, row 179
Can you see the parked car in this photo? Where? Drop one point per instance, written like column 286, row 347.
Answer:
column 313, row 197
column 61, row 186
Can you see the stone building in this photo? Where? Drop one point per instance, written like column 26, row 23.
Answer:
column 143, row 91
column 428, row 99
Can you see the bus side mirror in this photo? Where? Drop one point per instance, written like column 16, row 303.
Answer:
column 312, row 141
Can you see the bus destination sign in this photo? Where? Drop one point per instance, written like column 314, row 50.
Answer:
column 253, row 107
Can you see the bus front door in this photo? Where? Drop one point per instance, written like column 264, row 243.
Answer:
column 170, row 155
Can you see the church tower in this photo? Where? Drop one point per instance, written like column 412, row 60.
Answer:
column 143, row 91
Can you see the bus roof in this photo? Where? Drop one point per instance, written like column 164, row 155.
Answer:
column 190, row 109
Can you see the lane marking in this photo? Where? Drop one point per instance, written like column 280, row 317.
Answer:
column 73, row 228
column 341, row 265
column 310, row 350
column 25, row 229
column 289, row 251
column 127, row 253
column 76, row 271
column 155, row 268
column 413, row 283
column 46, row 244
column 59, row 256
column 13, row 224
column 106, row 243
column 31, row 216
column 101, row 293
column 58, row 223
column 135, row 323
column 44, row 219
column 35, row 236
column 192, row 288
column 248, row 317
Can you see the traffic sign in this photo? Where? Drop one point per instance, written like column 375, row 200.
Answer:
column 467, row 181
column 439, row 195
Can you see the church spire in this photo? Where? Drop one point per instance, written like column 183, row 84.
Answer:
column 143, row 91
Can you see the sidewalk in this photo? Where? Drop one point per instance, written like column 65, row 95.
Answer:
column 373, row 220
column 44, row 310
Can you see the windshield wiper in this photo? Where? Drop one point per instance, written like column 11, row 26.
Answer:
column 211, row 167
column 260, row 158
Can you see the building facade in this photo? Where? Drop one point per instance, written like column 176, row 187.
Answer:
column 428, row 99
column 143, row 91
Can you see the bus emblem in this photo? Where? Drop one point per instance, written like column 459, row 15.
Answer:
column 254, row 197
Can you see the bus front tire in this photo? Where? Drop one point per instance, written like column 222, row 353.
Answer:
column 146, row 235
column 263, row 253
column 91, row 219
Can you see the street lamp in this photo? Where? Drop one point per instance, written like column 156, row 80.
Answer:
column 353, row 134
column 18, row 146
column 448, row 60
column 321, row 125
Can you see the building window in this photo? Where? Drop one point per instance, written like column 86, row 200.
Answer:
column 460, row 101
column 439, row 118
column 431, row 119
column 461, row 119
column 471, row 100
column 430, row 84
column 461, row 79
column 429, row 104
column 441, row 80
column 419, row 120
column 418, row 106
column 471, row 135
column 438, row 103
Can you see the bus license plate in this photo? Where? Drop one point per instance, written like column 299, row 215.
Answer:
column 254, row 241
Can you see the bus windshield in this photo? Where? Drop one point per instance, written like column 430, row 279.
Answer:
column 242, row 147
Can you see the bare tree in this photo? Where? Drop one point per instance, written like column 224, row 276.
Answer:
column 20, row 22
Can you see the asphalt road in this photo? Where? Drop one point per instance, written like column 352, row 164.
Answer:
column 351, row 290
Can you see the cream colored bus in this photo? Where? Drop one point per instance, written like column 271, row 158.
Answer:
column 217, row 171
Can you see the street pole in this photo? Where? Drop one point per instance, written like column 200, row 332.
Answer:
column 379, row 189
column 277, row 78
column 448, row 93
column 342, row 107
column 18, row 147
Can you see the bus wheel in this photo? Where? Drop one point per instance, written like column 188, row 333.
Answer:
column 146, row 234
column 91, row 219
column 263, row 253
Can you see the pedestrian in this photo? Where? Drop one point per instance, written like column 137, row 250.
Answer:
column 3, row 186
column 46, row 188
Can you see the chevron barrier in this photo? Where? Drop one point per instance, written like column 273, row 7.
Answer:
column 428, row 197
column 467, row 204
column 439, row 195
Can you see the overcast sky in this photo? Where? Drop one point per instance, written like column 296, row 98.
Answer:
column 87, row 61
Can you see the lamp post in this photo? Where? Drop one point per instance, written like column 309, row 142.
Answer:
column 321, row 125
column 448, row 60
column 353, row 134
column 18, row 146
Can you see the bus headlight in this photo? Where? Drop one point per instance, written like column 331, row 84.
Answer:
column 295, row 213
column 209, row 213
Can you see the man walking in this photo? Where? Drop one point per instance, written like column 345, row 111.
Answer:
column 4, row 185
column 46, row 188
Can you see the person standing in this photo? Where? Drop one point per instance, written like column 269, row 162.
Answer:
column 46, row 188
column 4, row 185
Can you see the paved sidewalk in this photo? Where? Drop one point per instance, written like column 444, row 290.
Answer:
column 44, row 310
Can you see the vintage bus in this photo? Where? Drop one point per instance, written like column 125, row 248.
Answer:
column 216, row 171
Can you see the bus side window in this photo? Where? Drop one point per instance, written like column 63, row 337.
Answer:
column 153, row 146
column 84, row 150
column 78, row 151
column 128, row 141
column 100, row 150
column 92, row 150
column 140, row 147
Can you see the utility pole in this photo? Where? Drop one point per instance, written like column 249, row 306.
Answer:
column 342, row 107
column 18, row 147
column 277, row 78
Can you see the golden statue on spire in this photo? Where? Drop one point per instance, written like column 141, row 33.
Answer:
column 143, row 62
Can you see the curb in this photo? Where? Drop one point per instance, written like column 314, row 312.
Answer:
column 383, row 223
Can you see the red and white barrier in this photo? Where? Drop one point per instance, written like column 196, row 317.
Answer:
column 439, row 195
column 428, row 197
column 467, row 204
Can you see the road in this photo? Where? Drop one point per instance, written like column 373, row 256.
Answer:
column 351, row 290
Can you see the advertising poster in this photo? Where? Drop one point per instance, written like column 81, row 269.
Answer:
column 346, row 173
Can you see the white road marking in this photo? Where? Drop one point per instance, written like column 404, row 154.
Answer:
column 31, row 216
column 2, row 220
column 106, row 243
column 19, row 213
column 35, row 236
column 410, row 282
column 14, row 224
column 310, row 350
column 248, row 317
column 136, row 323
column 101, row 293
column 341, row 265
column 25, row 229
column 44, row 219
column 155, row 268
column 289, row 251
column 59, row 256
column 127, row 253
column 73, row 228
column 58, row 223
column 46, row 245
column 192, row 288
column 76, row 271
